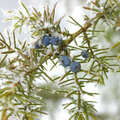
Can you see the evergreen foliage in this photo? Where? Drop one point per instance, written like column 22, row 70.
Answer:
column 22, row 66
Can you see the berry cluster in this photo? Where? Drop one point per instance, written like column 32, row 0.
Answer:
column 74, row 66
column 65, row 60
column 46, row 40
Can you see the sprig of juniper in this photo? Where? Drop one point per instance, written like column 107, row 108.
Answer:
column 24, row 69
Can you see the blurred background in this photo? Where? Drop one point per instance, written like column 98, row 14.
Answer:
column 108, row 102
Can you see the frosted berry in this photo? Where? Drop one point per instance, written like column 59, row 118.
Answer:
column 75, row 67
column 65, row 61
column 85, row 54
column 36, row 45
column 45, row 40
column 56, row 40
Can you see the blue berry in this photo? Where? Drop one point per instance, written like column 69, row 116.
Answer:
column 75, row 67
column 45, row 40
column 36, row 45
column 65, row 61
column 85, row 54
column 56, row 40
